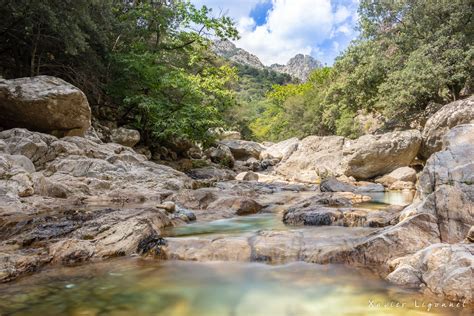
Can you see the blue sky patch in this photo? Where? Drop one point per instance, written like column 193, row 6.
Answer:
column 260, row 12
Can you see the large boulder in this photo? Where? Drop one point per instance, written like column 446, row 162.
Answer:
column 243, row 149
column 125, row 136
column 314, row 158
column 374, row 155
column 446, row 185
column 405, row 174
column 450, row 115
column 281, row 150
column 364, row 158
column 45, row 104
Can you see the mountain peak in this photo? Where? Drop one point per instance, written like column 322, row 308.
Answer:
column 300, row 66
column 228, row 50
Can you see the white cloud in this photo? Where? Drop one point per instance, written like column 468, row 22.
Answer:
column 321, row 28
column 245, row 24
column 297, row 27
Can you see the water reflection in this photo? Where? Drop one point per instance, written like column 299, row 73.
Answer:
column 139, row 287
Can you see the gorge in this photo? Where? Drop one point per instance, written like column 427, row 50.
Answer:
column 211, row 157
column 321, row 200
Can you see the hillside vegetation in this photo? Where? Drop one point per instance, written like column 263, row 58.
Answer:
column 410, row 54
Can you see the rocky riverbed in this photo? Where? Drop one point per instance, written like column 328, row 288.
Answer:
column 321, row 200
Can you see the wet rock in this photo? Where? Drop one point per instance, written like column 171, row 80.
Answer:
column 239, row 205
column 321, row 210
column 185, row 214
column 215, row 249
column 44, row 104
column 71, row 251
column 151, row 245
column 276, row 247
column 242, row 149
column 331, row 184
column 452, row 114
column 126, row 137
column 366, row 187
column 408, row 236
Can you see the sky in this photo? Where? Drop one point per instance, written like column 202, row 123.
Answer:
column 277, row 30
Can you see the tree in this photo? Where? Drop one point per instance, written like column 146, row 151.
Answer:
column 68, row 39
column 163, row 74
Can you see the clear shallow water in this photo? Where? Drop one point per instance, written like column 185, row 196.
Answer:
column 147, row 287
column 272, row 221
column 400, row 198
column 236, row 225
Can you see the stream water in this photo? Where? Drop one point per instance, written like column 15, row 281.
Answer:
column 135, row 286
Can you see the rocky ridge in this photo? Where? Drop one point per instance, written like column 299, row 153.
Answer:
column 299, row 67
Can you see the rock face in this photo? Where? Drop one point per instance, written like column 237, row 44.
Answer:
column 450, row 115
column 281, row 150
column 441, row 269
column 125, row 136
column 374, row 155
column 242, row 149
column 446, row 185
column 299, row 66
column 363, row 158
column 228, row 50
column 45, row 104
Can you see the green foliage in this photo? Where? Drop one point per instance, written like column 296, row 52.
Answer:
column 251, row 88
column 149, row 57
column 68, row 39
column 163, row 74
column 410, row 53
